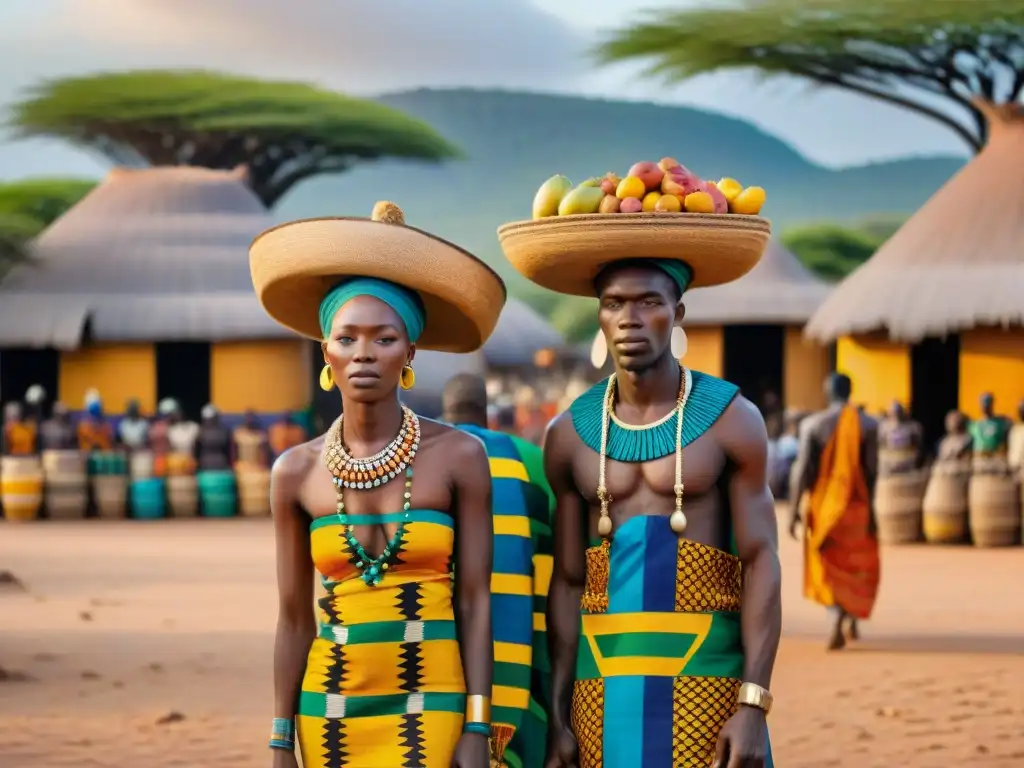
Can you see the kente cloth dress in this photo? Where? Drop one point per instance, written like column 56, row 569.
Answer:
column 383, row 686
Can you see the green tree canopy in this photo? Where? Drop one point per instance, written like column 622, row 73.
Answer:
column 833, row 250
column 938, row 59
column 42, row 199
column 283, row 132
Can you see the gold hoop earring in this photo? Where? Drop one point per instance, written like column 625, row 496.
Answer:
column 327, row 379
column 408, row 380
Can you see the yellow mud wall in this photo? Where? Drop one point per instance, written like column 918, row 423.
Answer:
column 879, row 369
column 992, row 360
column 120, row 372
column 805, row 365
column 267, row 376
column 705, row 349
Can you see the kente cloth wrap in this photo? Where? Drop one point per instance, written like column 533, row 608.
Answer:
column 660, row 658
column 383, row 686
column 406, row 304
column 522, row 505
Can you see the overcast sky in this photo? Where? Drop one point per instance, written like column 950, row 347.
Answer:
column 386, row 45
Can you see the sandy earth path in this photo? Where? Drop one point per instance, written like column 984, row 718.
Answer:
column 149, row 644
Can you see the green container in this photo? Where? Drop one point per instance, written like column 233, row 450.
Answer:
column 218, row 494
column 107, row 463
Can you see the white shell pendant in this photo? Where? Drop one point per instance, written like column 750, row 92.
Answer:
column 604, row 526
column 678, row 522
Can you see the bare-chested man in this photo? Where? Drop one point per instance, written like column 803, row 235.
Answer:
column 838, row 466
column 672, row 662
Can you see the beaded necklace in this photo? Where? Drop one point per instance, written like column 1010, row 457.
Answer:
column 678, row 519
column 374, row 471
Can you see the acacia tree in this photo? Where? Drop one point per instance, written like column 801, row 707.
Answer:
column 949, row 61
column 283, row 132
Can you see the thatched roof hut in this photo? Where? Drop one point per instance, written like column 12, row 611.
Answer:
column 520, row 333
column 149, row 255
column 936, row 316
column 778, row 291
column 958, row 263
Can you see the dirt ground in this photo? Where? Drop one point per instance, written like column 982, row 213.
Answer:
column 150, row 644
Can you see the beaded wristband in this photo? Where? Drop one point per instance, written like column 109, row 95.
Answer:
column 282, row 734
column 482, row 729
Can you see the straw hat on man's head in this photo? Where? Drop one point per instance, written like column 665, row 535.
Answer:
column 567, row 253
column 300, row 271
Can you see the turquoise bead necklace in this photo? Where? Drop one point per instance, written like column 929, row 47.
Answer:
column 372, row 568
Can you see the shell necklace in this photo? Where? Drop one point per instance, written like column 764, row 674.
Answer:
column 372, row 472
column 678, row 519
column 379, row 469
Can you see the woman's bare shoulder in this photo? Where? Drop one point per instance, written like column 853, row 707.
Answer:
column 293, row 466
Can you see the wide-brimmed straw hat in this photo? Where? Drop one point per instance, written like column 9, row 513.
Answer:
column 294, row 265
column 566, row 253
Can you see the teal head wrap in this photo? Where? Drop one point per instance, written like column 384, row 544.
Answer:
column 678, row 271
column 407, row 304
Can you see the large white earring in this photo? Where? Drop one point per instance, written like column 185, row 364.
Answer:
column 679, row 343
column 599, row 351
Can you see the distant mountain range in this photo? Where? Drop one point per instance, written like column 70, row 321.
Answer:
column 514, row 141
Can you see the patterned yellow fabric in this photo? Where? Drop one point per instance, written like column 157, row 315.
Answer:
column 660, row 653
column 384, row 686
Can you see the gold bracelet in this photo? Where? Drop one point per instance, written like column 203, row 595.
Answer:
column 753, row 695
column 478, row 709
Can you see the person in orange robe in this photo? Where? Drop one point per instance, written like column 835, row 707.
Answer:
column 837, row 467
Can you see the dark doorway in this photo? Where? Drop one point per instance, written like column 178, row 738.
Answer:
column 753, row 360
column 183, row 372
column 22, row 367
column 934, row 385
column 326, row 405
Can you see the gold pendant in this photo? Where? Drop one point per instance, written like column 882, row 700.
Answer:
column 678, row 522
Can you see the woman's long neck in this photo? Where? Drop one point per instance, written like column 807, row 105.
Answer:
column 368, row 427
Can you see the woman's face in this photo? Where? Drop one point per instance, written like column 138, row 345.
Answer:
column 367, row 349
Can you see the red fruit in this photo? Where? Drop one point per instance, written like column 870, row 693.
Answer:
column 608, row 186
column 631, row 205
column 717, row 197
column 649, row 173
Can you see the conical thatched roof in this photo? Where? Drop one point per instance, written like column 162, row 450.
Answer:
column 158, row 254
column 957, row 263
column 779, row 290
column 520, row 333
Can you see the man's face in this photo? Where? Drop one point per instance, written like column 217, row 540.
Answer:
column 638, row 308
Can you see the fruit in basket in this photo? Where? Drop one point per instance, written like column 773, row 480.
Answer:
column 608, row 186
column 549, row 196
column 699, row 202
column 668, row 204
column 748, row 202
column 721, row 204
column 610, row 204
column 631, row 205
column 668, row 163
column 594, row 182
column 581, row 200
column 649, row 173
column 680, row 183
column 730, row 188
column 650, row 200
column 631, row 186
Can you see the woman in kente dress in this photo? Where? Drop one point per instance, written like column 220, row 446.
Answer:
column 395, row 669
